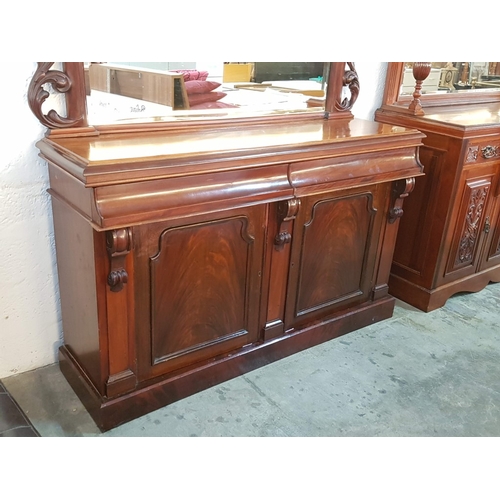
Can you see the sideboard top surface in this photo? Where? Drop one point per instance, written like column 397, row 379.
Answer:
column 144, row 176
column 466, row 116
column 135, row 147
column 459, row 121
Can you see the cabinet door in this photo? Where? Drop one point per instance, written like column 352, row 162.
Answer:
column 198, row 285
column 491, row 229
column 334, row 250
column 468, row 232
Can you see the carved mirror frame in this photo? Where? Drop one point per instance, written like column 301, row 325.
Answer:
column 70, row 80
column 393, row 99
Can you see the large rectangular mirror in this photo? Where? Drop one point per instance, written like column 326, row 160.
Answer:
column 124, row 92
column 449, row 77
column 448, row 83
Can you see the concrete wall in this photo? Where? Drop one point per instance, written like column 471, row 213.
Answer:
column 30, row 319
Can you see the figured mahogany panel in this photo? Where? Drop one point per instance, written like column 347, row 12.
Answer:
column 331, row 248
column 190, row 295
column 204, row 289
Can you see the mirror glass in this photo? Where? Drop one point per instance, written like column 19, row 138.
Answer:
column 454, row 77
column 127, row 92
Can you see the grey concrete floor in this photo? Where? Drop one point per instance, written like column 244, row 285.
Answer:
column 415, row 374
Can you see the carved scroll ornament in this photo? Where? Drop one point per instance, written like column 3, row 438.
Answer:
column 351, row 81
column 37, row 95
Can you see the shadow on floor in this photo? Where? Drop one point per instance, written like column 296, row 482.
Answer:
column 13, row 421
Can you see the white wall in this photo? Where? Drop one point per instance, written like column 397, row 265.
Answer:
column 30, row 327
column 30, row 319
column 372, row 80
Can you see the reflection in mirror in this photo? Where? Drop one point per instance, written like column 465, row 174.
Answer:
column 452, row 77
column 163, row 91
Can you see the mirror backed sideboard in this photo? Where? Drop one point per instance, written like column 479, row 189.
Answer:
column 192, row 251
column 449, row 239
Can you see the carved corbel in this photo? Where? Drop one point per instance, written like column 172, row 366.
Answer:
column 287, row 211
column 118, row 244
column 400, row 191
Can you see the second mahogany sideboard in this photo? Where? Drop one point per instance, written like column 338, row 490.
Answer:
column 449, row 240
column 188, row 257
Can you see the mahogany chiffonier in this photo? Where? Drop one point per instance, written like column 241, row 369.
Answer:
column 449, row 240
column 191, row 254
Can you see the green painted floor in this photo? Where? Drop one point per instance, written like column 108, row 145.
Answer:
column 416, row 374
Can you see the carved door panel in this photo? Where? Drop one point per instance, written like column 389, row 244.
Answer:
column 471, row 221
column 198, row 285
column 491, row 228
column 333, row 254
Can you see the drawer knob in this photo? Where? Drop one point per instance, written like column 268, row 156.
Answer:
column 282, row 238
column 116, row 279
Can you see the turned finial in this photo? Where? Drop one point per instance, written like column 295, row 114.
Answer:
column 421, row 71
